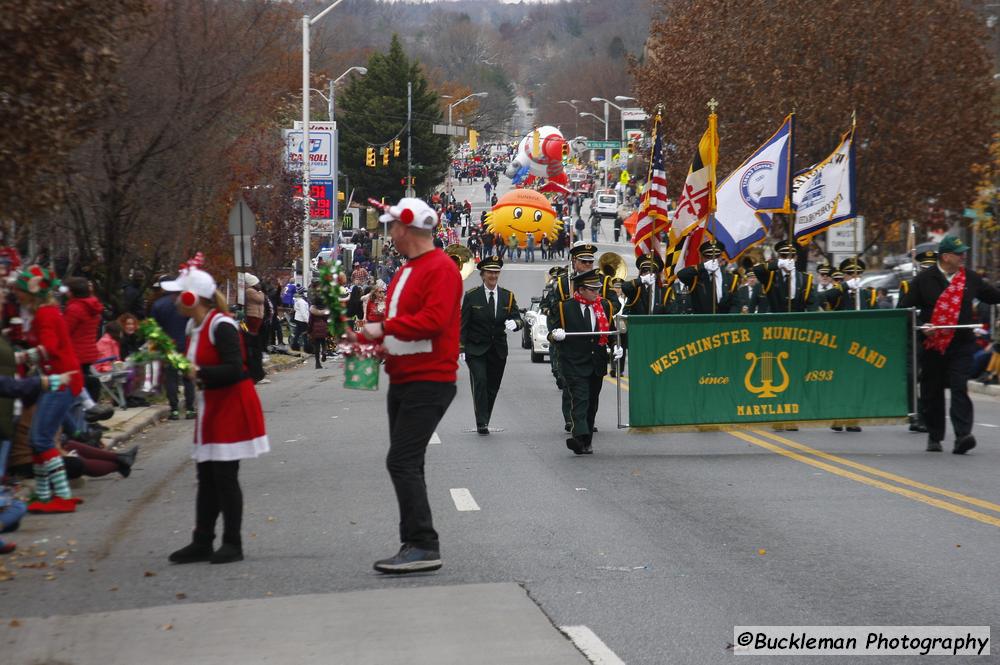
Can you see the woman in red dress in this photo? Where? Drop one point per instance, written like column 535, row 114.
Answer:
column 230, row 422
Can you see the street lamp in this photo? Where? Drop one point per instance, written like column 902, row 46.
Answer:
column 307, row 22
column 607, row 155
column 576, row 120
column 450, row 107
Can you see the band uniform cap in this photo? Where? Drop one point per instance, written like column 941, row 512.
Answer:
column 927, row 258
column 411, row 212
column 251, row 280
column 197, row 281
column 824, row 269
column 651, row 261
column 617, row 282
column 852, row 265
column 555, row 271
column 583, row 250
column 710, row 248
column 591, row 279
column 784, row 247
column 952, row 245
column 837, row 274
column 492, row 263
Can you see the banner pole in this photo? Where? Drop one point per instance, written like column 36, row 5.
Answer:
column 913, row 362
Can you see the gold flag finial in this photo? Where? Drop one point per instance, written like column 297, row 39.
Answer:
column 712, row 104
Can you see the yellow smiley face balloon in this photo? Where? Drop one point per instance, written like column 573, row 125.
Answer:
column 521, row 212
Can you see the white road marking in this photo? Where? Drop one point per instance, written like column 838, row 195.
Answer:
column 435, row 438
column 986, row 425
column 463, row 499
column 591, row 646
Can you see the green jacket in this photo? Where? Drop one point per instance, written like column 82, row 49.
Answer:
column 581, row 356
column 480, row 328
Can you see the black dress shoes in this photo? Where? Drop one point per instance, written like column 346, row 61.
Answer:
column 575, row 445
column 483, row 430
column 964, row 444
column 933, row 445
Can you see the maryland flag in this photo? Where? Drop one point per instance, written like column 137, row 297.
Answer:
column 697, row 199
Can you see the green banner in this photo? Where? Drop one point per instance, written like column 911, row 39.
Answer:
column 734, row 369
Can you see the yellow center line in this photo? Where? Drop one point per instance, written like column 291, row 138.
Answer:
column 902, row 491
column 880, row 473
column 910, row 494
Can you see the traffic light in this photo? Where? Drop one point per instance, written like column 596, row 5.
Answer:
column 370, row 156
column 631, row 148
column 385, row 156
column 473, row 140
column 395, row 148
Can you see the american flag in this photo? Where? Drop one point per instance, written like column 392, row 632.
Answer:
column 653, row 216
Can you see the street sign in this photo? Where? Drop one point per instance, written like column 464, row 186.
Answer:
column 317, row 126
column 241, row 219
column 450, row 130
column 846, row 238
column 604, row 145
column 241, row 251
column 320, row 153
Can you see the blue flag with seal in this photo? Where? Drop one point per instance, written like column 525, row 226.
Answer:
column 760, row 185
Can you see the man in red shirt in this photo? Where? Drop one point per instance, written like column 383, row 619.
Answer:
column 420, row 335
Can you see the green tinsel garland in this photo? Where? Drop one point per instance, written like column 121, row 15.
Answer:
column 331, row 291
column 159, row 346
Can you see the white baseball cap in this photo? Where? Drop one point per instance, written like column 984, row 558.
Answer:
column 411, row 212
column 197, row 281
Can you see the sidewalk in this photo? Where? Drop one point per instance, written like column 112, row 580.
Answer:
column 485, row 624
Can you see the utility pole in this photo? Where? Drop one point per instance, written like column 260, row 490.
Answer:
column 409, row 139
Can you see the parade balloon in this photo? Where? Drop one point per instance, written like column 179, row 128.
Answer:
column 541, row 152
column 522, row 212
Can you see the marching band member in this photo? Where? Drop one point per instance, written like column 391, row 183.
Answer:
column 787, row 289
column 712, row 288
column 489, row 312
column 583, row 359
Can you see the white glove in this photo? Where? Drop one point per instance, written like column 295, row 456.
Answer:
column 647, row 279
column 788, row 265
column 558, row 334
column 618, row 352
column 712, row 265
column 461, row 357
column 853, row 283
column 510, row 325
column 373, row 331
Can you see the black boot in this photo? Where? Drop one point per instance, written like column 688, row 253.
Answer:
column 200, row 549
column 228, row 552
column 126, row 460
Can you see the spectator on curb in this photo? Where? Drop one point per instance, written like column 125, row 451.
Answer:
column 165, row 313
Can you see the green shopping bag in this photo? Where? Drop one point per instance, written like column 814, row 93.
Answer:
column 361, row 373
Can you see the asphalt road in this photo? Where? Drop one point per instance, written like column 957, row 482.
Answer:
column 658, row 543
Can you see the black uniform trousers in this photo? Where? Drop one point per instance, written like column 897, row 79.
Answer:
column 415, row 409
column 485, row 374
column 584, row 394
column 950, row 371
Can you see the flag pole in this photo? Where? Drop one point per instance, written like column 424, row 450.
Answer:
column 657, row 120
column 710, row 215
column 857, row 291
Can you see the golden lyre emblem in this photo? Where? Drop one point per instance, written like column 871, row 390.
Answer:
column 766, row 361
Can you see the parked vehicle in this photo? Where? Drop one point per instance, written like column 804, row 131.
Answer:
column 606, row 204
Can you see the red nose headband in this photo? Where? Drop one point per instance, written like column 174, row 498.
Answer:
column 406, row 216
column 189, row 298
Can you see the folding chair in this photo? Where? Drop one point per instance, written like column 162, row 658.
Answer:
column 113, row 381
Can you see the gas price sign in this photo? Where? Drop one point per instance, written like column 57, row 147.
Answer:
column 321, row 193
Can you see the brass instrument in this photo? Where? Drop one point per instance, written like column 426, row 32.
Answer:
column 612, row 265
column 462, row 257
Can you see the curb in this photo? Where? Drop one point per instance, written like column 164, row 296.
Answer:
column 979, row 388
column 139, row 420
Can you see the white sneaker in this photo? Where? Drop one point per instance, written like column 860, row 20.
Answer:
column 263, row 381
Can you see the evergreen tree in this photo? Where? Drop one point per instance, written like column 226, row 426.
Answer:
column 372, row 113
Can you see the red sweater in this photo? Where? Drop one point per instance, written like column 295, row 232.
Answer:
column 83, row 320
column 48, row 330
column 422, row 321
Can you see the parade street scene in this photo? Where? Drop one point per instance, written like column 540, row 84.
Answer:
column 478, row 332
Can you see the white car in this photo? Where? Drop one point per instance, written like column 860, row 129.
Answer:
column 605, row 204
column 536, row 332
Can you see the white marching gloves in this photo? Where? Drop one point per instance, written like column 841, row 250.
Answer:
column 510, row 325
column 647, row 279
column 712, row 265
column 461, row 357
column 788, row 265
column 618, row 352
column 558, row 334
